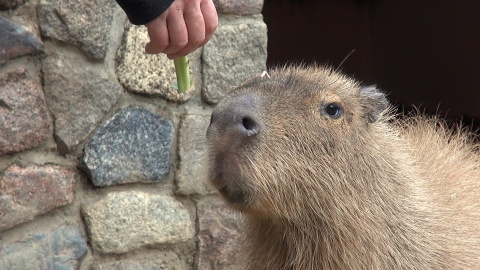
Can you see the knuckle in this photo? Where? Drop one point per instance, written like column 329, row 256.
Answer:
column 159, row 42
column 177, row 46
column 197, row 41
column 211, row 26
column 164, row 44
column 181, row 43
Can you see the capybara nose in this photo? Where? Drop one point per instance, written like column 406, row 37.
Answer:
column 236, row 118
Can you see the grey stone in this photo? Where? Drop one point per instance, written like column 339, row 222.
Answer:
column 33, row 190
column 85, row 24
column 219, row 236
column 236, row 52
column 168, row 260
column 59, row 249
column 17, row 40
column 78, row 94
column 148, row 74
column 24, row 118
column 125, row 221
column 9, row 4
column 193, row 173
column 144, row 265
column 244, row 7
column 132, row 146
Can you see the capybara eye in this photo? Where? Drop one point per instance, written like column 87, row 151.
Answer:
column 333, row 110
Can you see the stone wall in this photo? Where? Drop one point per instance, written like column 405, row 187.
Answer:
column 102, row 162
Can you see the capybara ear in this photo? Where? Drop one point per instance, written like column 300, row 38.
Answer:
column 373, row 102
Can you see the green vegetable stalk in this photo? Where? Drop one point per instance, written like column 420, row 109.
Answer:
column 183, row 74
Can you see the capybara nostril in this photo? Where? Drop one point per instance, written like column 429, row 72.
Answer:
column 251, row 126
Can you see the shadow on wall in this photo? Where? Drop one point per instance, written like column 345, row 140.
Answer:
column 422, row 53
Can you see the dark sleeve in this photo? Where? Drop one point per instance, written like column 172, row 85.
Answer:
column 143, row 11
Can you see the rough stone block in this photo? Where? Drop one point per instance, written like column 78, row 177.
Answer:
column 145, row 73
column 85, row 24
column 219, row 236
column 24, row 118
column 17, row 40
column 162, row 260
column 236, row 52
column 78, row 94
column 132, row 146
column 59, row 249
column 193, row 173
column 244, row 7
column 125, row 221
column 33, row 190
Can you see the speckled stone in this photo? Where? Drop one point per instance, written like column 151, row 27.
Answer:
column 193, row 170
column 17, row 40
column 219, row 235
column 148, row 74
column 125, row 221
column 132, row 146
column 26, row 192
column 85, row 24
column 24, row 118
column 161, row 260
column 244, row 7
column 236, row 52
column 78, row 94
column 61, row 248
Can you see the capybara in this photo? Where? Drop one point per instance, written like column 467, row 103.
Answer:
column 327, row 177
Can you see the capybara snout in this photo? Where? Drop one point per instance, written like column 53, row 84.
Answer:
column 236, row 121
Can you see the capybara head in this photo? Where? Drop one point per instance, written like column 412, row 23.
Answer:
column 283, row 142
column 328, row 179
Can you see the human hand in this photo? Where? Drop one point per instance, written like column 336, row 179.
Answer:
column 185, row 26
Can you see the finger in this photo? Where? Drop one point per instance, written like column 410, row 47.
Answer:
column 211, row 19
column 177, row 30
column 196, row 31
column 158, row 34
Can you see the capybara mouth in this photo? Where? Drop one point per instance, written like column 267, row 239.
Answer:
column 234, row 196
column 230, row 186
column 223, row 191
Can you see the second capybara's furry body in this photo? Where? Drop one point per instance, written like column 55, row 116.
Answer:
column 327, row 178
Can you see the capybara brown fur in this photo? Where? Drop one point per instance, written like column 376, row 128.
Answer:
column 328, row 178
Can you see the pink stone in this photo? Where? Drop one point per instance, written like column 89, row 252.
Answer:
column 17, row 40
column 26, row 192
column 219, row 235
column 24, row 118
